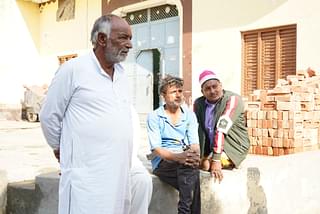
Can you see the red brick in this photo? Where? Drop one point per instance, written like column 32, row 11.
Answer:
column 264, row 150
column 275, row 151
column 270, row 150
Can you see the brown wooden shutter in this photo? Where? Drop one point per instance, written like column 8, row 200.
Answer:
column 268, row 60
column 267, row 55
column 288, row 51
column 250, row 63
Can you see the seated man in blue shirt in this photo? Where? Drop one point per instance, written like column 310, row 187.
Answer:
column 173, row 137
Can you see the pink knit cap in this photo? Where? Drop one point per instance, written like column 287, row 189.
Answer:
column 207, row 75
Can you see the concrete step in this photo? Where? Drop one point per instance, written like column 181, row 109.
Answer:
column 39, row 196
column 22, row 198
column 3, row 190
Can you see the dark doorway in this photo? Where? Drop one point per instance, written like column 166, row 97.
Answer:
column 156, row 77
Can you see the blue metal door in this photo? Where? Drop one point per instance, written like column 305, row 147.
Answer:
column 153, row 29
column 144, row 82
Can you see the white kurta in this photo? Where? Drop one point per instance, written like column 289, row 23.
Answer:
column 141, row 181
column 88, row 115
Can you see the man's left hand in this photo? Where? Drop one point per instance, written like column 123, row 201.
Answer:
column 216, row 170
column 193, row 158
column 56, row 153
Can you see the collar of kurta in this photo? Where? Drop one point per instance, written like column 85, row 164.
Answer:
column 118, row 69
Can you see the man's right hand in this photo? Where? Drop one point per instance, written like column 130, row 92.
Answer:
column 56, row 153
column 189, row 157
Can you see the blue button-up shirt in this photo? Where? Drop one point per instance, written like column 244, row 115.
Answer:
column 162, row 133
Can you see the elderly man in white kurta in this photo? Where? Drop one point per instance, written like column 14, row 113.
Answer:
column 86, row 118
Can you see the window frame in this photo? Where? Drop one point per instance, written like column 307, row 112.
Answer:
column 64, row 58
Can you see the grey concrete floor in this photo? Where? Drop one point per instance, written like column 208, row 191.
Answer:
column 23, row 151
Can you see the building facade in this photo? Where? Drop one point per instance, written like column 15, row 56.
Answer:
column 250, row 44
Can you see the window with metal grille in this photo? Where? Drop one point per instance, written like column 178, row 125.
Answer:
column 163, row 12
column 151, row 14
column 267, row 55
column 137, row 17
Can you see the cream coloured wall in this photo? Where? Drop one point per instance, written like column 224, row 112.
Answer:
column 217, row 39
column 31, row 40
column 65, row 37
column 30, row 14
column 19, row 49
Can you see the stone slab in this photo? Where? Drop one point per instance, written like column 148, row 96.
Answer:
column 3, row 191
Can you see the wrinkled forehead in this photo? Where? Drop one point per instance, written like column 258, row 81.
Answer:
column 173, row 87
column 120, row 26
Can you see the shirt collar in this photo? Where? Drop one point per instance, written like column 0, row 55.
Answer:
column 164, row 115
column 118, row 69
column 96, row 61
column 209, row 104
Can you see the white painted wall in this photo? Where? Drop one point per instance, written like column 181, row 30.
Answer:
column 217, row 27
column 31, row 40
column 65, row 37
column 19, row 49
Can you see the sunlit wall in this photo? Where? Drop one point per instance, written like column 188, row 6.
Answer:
column 31, row 40
column 19, row 52
column 217, row 27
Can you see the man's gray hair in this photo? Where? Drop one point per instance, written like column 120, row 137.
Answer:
column 101, row 25
column 169, row 81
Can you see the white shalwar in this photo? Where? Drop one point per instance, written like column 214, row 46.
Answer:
column 88, row 116
column 141, row 181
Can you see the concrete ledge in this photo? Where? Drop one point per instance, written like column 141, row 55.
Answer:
column 164, row 198
column 47, row 186
column 34, row 197
column 21, row 198
column 285, row 184
column 3, row 191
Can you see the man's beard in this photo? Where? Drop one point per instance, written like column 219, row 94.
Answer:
column 114, row 55
column 175, row 103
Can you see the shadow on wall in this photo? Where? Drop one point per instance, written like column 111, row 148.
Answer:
column 256, row 195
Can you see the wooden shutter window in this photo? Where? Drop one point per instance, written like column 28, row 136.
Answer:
column 268, row 60
column 288, row 49
column 251, row 62
column 267, row 55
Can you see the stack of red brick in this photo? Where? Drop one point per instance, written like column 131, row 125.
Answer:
column 286, row 119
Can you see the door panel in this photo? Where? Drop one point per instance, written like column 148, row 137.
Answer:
column 158, row 35
column 144, row 82
column 142, row 36
column 171, row 57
